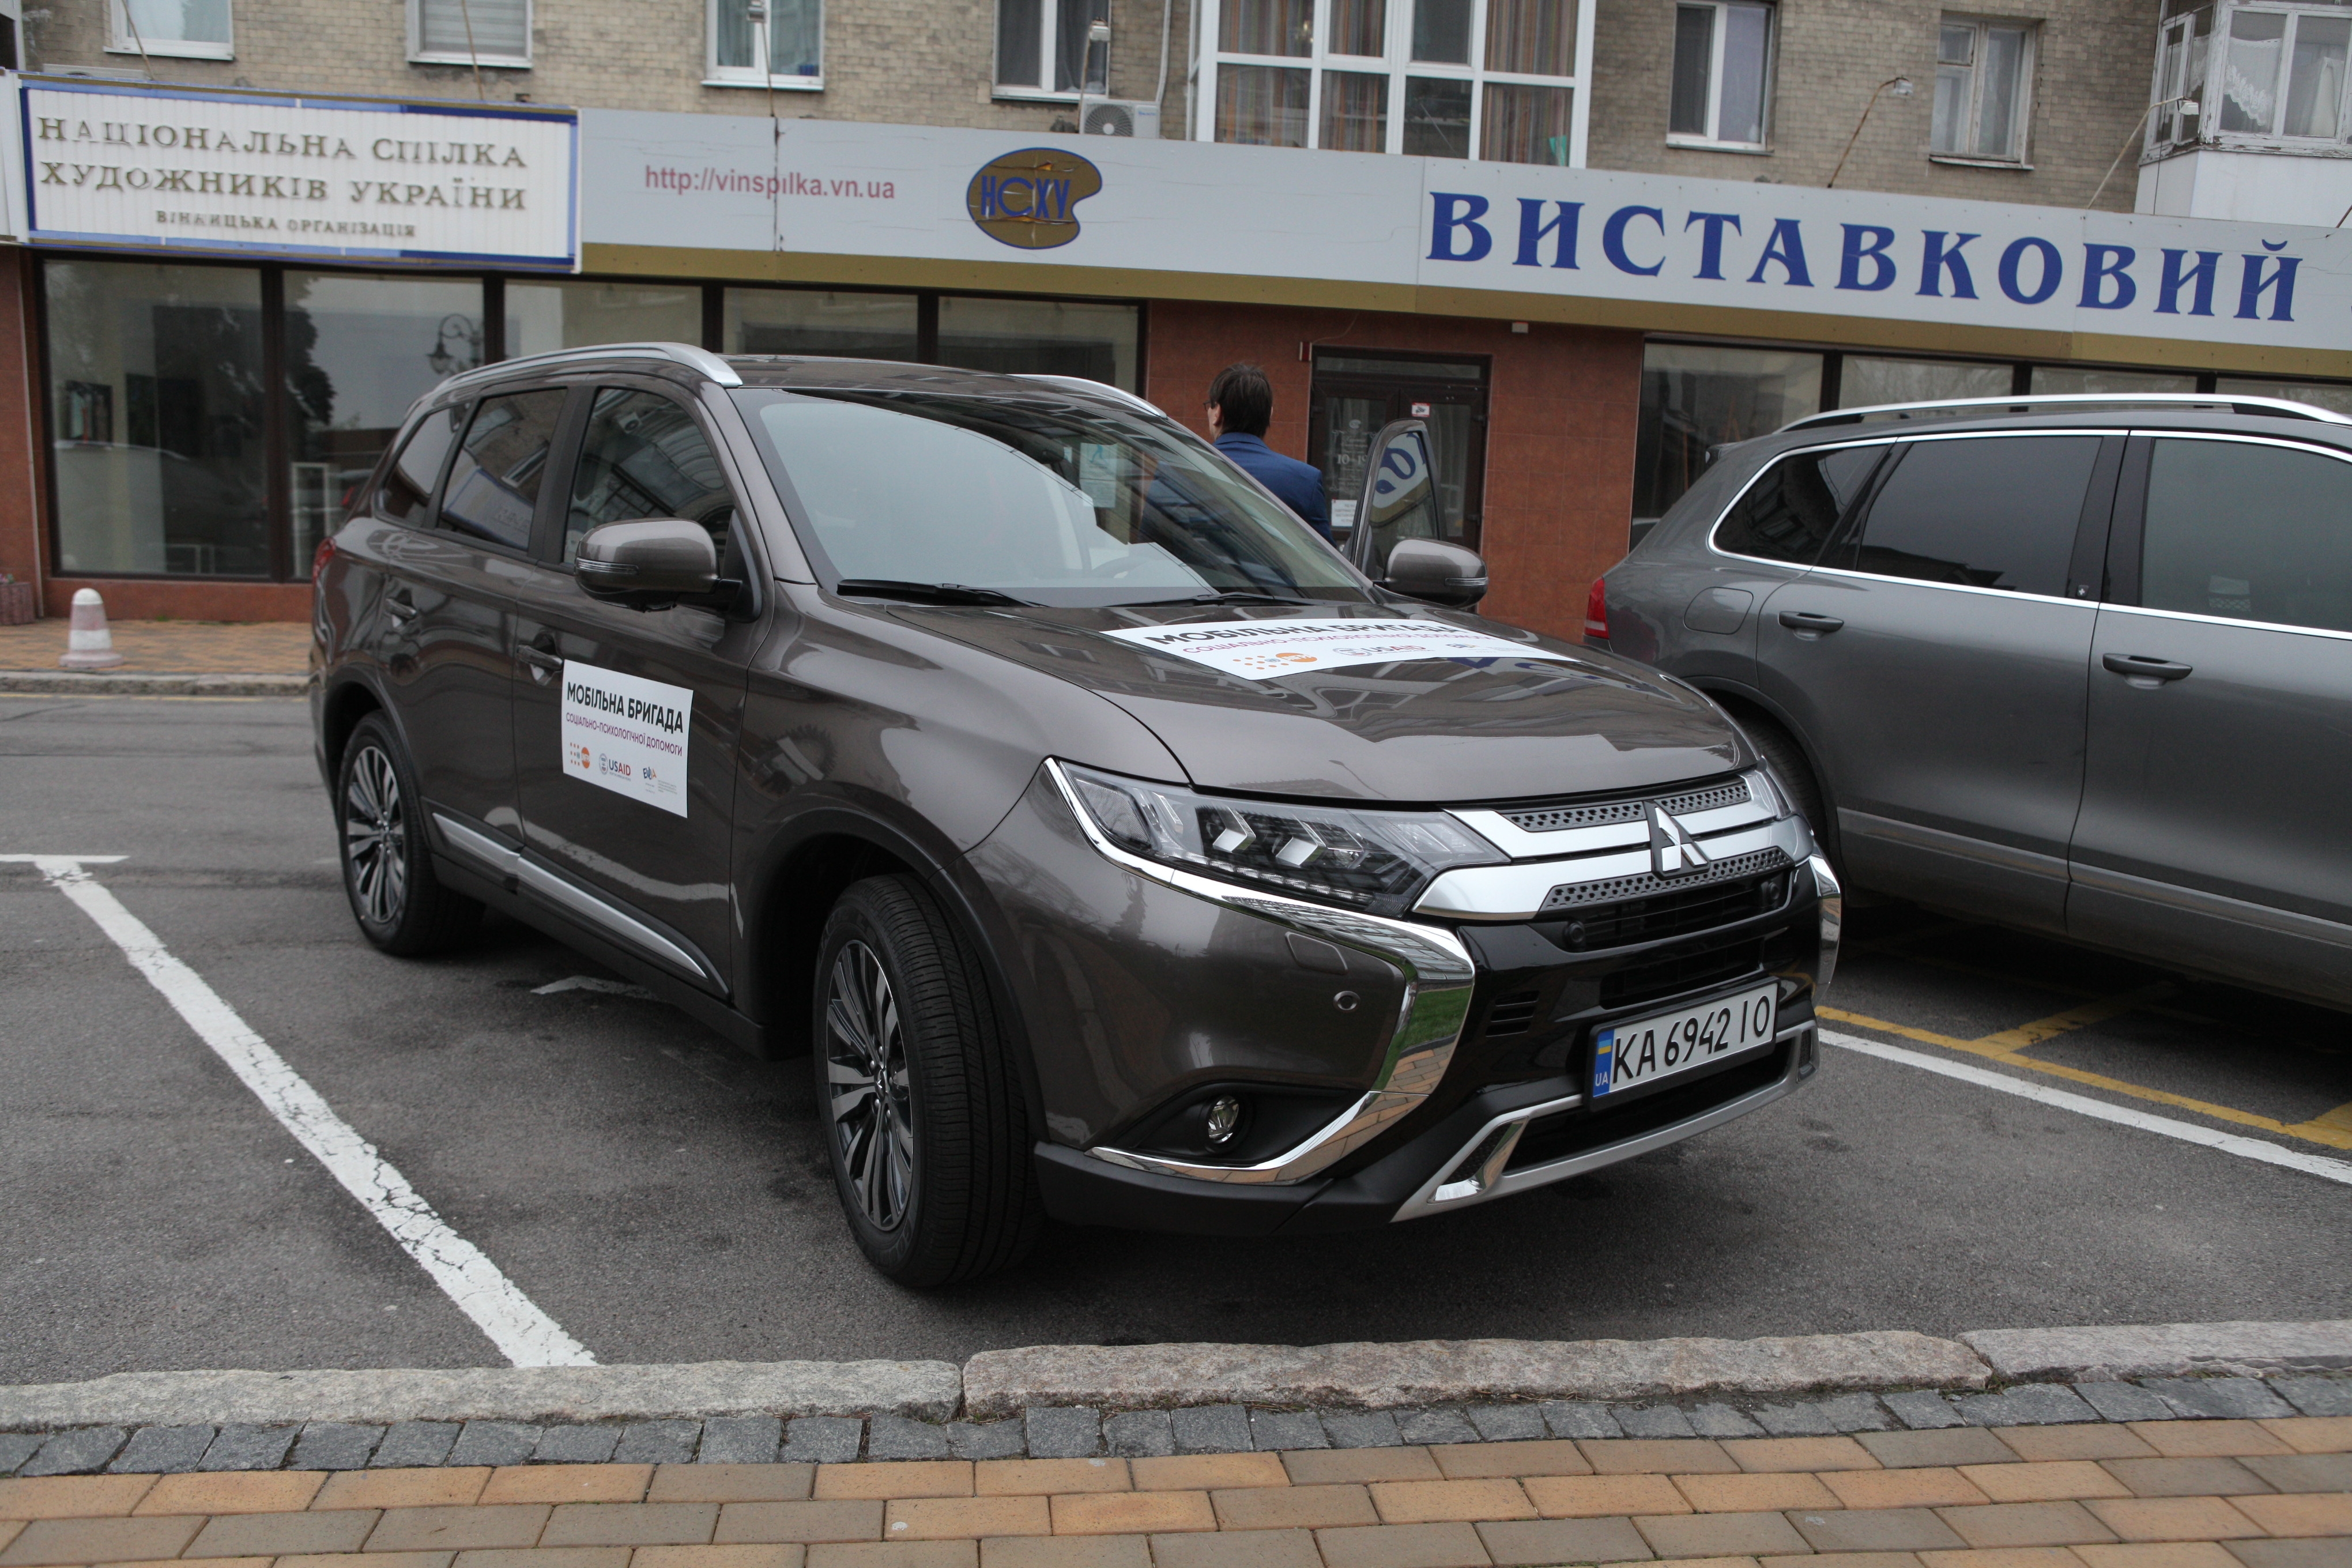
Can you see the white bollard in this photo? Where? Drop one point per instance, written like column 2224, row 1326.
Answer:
column 89, row 644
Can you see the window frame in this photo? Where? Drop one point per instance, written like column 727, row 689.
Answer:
column 2225, row 12
column 418, row 55
column 2028, row 66
column 1712, row 139
column 716, row 75
column 1048, row 38
column 119, row 40
column 1395, row 62
column 2168, row 128
column 2128, row 540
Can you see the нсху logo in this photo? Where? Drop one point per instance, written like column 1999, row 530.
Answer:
column 1029, row 199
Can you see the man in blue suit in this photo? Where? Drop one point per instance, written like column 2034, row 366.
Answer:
column 1241, row 406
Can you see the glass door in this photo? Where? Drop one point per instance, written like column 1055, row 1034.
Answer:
column 1356, row 393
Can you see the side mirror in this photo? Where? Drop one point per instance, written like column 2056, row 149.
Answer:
column 648, row 564
column 1438, row 572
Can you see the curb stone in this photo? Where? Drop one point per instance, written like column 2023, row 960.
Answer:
column 66, row 683
column 2161, row 1350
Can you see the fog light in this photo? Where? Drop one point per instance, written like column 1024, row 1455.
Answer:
column 1225, row 1120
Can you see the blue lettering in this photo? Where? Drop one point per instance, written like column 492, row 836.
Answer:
column 2254, row 285
column 1941, row 258
column 2053, row 269
column 1710, row 242
column 1455, row 211
column 1613, row 239
column 1856, row 252
column 1532, row 230
column 2168, row 288
column 1787, row 246
column 2101, row 265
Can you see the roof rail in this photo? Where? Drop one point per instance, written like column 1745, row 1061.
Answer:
column 703, row 360
column 1084, row 383
column 2276, row 405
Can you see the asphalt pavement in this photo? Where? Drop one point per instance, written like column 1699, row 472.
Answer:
column 663, row 1199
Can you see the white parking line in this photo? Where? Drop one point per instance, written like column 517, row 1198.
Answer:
column 524, row 1335
column 2187, row 1131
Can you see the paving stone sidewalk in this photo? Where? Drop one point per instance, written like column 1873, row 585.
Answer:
column 171, row 648
column 2213, row 1493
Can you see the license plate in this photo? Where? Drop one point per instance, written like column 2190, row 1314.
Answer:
column 1638, row 1054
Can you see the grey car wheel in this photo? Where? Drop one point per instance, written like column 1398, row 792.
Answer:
column 926, row 1127
column 400, row 904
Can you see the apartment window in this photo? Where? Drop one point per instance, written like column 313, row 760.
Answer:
column 767, row 43
column 1983, row 75
column 2285, row 74
column 2183, row 50
column 1445, row 78
column 1044, row 48
column 194, row 29
column 1723, row 63
column 469, row 32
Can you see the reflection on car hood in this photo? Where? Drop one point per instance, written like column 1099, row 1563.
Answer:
column 1425, row 731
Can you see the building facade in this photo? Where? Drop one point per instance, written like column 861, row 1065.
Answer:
column 1584, row 242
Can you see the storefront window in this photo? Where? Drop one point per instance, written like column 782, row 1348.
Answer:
column 544, row 317
column 360, row 349
column 156, row 409
column 1049, row 337
column 2049, row 378
column 804, row 321
column 1696, row 395
column 1867, row 381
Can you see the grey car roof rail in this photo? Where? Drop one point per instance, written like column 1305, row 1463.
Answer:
column 1086, row 384
column 686, row 354
column 2274, row 405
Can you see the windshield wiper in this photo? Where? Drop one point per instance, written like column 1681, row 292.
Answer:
column 1225, row 597
column 922, row 593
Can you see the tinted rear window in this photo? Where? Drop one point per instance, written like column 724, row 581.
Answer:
column 1989, row 512
column 1792, row 509
column 2252, row 533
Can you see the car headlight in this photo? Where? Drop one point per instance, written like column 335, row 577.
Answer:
column 1376, row 861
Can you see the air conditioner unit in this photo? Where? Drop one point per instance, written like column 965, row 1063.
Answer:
column 1118, row 116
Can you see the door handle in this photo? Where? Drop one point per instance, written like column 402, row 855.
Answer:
column 397, row 604
column 540, row 654
column 2139, row 667
column 1807, row 621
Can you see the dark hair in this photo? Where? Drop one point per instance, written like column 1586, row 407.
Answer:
column 1245, row 399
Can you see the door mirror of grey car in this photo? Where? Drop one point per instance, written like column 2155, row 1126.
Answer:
column 1438, row 572
column 650, row 564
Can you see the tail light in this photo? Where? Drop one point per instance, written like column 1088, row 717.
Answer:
column 325, row 553
column 1596, row 612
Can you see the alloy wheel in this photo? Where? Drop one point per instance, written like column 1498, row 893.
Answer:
column 375, row 837
column 866, row 1086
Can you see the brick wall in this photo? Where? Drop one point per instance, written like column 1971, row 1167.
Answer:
column 1560, row 441
column 2095, row 62
column 926, row 62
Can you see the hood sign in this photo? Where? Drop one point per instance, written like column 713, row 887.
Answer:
column 1029, row 199
column 1672, row 851
column 1264, row 650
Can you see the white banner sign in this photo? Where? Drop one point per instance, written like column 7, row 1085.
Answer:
column 840, row 188
column 341, row 179
column 1262, row 650
column 628, row 734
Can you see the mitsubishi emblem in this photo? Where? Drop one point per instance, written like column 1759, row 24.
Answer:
column 1672, row 849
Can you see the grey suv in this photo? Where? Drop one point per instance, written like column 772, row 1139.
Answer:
column 1117, row 849
column 2078, row 665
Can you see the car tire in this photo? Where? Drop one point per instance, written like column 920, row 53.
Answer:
column 1787, row 760
column 926, row 1128
column 400, row 904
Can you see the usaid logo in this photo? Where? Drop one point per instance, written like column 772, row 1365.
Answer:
column 1029, row 199
column 1672, row 851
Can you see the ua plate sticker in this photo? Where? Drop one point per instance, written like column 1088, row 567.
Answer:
column 1261, row 650
column 626, row 734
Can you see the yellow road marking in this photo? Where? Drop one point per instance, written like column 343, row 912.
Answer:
column 2333, row 1130
column 2025, row 1036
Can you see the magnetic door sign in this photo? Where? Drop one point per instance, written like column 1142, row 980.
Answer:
column 187, row 169
column 1262, row 650
column 626, row 734
column 1029, row 199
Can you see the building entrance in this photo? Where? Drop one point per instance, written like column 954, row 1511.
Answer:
column 1356, row 391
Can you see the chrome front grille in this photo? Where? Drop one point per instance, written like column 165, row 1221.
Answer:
column 1576, row 895
column 1560, row 818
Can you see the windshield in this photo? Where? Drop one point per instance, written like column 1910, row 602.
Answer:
column 1041, row 502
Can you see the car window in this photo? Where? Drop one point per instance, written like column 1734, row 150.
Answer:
column 1047, row 502
column 1793, row 507
column 2252, row 533
column 1990, row 512
column 493, row 488
column 407, row 485
column 644, row 456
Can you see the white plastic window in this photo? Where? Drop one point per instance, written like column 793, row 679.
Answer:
column 1046, row 49
column 767, row 43
column 190, row 29
column 469, row 32
column 1984, row 79
column 1722, row 75
column 2283, row 75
